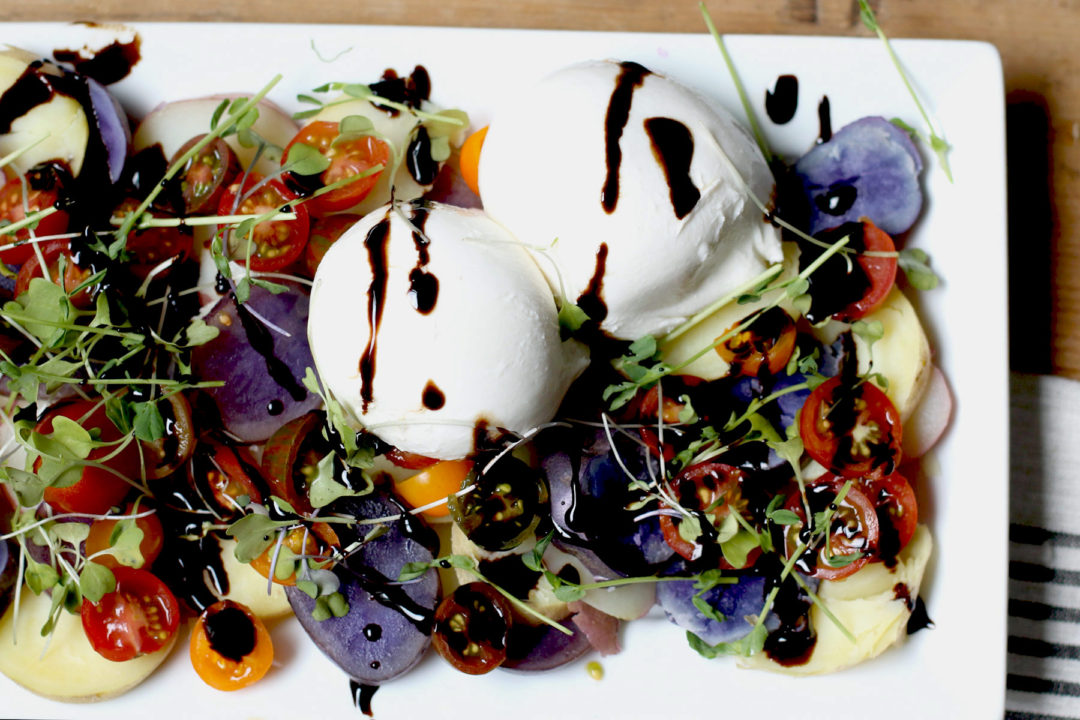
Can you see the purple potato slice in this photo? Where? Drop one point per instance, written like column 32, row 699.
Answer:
column 734, row 602
column 112, row 126
column 541, row 647
column 869, row 169
column 388, row 626
column 261, row 367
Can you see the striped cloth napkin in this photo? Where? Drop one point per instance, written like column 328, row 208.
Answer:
column 1043, row 680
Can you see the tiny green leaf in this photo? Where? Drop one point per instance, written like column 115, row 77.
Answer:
column 96, row 581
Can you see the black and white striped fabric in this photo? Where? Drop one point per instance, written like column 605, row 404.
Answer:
column 1043, row 680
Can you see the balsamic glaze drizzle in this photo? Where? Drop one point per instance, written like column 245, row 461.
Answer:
column 673, row 147
column 631, row 76
column 592, row 300
column 783, row 100
column 376, row 244
column 106, row 65
column 824, row 120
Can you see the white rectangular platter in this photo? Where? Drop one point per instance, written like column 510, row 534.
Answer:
column 954, row 670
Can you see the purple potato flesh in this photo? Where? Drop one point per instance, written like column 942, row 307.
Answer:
column 735, row 602
column 388, row 626
column 261, row 392
column 112, row 125
column 542, row 647
column 869, row 169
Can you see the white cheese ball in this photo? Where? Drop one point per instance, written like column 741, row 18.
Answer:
column 654, row 221
column 464, row 336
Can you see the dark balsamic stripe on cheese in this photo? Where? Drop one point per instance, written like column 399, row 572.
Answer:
column 1032, row 647
column 433, row 398
column 1026, row 683
column 1033, row 572
column 1031, row 535
column 592, row 301
column 631, row 76
column 29, row 90
column 423, row 285
column 376, row 244
column 673, row 147
column 1041, row 611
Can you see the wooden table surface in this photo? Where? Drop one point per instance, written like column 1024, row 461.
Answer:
column 1039, row 41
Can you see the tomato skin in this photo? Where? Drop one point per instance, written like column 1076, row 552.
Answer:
column 347, row 159
column 74, row 276
column 149, row 548
column 318, row 540
column 204, row 176
column 470, row 159
column 12, row 210
column 152, row 246
column 436, row 482
column 696, row 488
column 766, row 344
column 324, row 233
column 471, row 628
column 276, row 244
column 854, row 527
column 227, row 472
column 289, row 460
column 97, row 489
column 165, row 456
column 230, row 647
column 880, row 273
column 897, row 508
column 138, row 618
column 835, row 414
column 408, row 460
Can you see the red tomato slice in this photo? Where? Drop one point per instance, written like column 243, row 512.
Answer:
column 897, row 509
column 880, row 273
column 698, row 487
column 347, row 159
column 152, row 246
column 97, row 489
column 854, row 431
column 138, row 618
column 854, row 527
column 276, row 244
column 289, row 460
column 74, row 276
column 13, row 210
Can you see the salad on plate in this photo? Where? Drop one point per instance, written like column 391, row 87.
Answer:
column 494, row 391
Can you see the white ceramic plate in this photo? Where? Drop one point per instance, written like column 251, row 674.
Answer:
column 955, row 670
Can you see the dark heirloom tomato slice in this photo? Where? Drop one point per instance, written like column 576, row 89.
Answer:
column 204, row 176
column 347, row 159
column 74, row 276
column 290, row 459
column 853, row 529
column 471, row 628
column 408, row 460
column 767, row 343
column 230, row 647
column 880, row 273
column 324, row 233
column 150, row 547
column 505, row 506
column 152, row 246
column 164, row 456
column 97, row 488
column 138, row 618
column 13, row 210
column 853, row 430
column 275, row 244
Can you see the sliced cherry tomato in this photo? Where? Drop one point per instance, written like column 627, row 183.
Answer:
column 470, row 159
column 230, row 646
column 853, row 529
column 505, row 506
column 880, row 273
column 853, row 430
column 767, row 343
column 313, row 543
column 437, row 482
column 290, row 459
column 228, row 473
column 651, row 438
column 97, row 488
column 164, row 456
column 324, row 233
column 152, row 246
column 471, row 628
column 276, row 244
column 13, row 209
column 73, row 279
column 204, row 176
column 650, row 405
column 347, row 159
column 100, row 538
column 708, row 488
column 139, row 617
column 897, row 510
